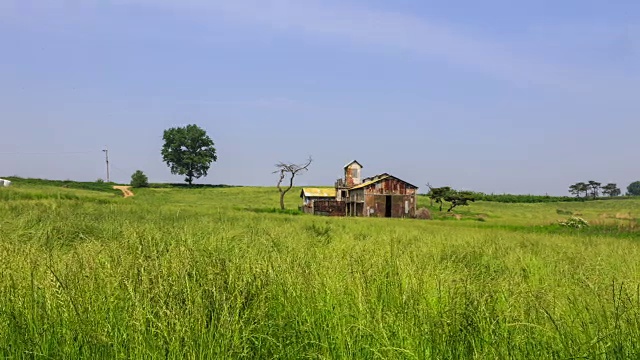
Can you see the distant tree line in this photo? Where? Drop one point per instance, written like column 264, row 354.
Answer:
column 592, row 189
column 524, row 199
column 632, row 190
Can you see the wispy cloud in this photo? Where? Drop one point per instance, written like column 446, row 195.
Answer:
column 370, row 27
column 273, row 103
column 522, row 62
column 589, row 43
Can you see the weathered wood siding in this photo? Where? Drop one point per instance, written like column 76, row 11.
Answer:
column 356, row 195
column 401, row 205
column 329, row 208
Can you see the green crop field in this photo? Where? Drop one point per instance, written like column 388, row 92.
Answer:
column 215, row 273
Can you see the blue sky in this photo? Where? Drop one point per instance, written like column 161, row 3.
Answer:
column 494, row 96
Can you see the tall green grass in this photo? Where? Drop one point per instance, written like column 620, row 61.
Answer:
column 198, row 274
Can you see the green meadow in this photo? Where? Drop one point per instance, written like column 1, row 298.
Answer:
column 211, row 273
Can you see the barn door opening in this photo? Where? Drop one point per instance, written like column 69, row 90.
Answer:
column 387, row 207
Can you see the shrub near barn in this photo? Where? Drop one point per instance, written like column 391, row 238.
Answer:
column 139, row 179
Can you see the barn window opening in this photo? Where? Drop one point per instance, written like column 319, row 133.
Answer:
column 387, row 207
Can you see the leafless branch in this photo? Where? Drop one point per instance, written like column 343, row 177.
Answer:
column 291, row 169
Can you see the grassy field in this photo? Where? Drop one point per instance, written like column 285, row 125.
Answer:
column 213, row 273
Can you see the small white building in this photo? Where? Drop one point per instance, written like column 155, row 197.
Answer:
column 5, row 183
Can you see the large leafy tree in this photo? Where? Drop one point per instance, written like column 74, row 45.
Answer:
column 188, row 151
column 634, row 188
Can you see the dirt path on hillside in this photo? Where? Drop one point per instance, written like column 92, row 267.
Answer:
column 126, row 190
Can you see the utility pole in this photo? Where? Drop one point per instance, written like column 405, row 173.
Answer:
column 106, row 154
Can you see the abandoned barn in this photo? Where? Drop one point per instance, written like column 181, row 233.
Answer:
column 382, row 195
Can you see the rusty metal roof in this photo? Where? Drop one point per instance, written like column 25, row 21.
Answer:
column 378, row 178
column 367, row 183
column 318, row 192
column 354, row 161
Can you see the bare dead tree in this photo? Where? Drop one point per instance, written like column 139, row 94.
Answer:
column 429, row 194
column 292, row 170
